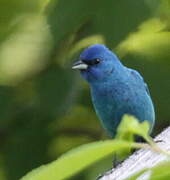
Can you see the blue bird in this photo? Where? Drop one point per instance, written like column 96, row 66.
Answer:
column 115, row 89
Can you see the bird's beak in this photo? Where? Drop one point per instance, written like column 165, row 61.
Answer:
column 80, row 65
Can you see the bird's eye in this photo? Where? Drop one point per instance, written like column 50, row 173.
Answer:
column 92, row 62
column 96, row 61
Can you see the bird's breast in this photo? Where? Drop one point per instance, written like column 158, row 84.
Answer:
column 111, row 103
column 106, row 102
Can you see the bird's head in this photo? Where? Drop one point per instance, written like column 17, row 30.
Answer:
column 96, row 63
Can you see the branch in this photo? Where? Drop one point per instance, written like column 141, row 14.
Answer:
column 141, row 159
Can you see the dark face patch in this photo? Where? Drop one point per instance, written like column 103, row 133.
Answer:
column 92, row 62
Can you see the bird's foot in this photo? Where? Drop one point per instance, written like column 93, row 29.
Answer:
column 158, row 141
column 116, row 161
column 100, row 176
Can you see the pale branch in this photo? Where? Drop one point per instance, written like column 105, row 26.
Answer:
column 141, row 159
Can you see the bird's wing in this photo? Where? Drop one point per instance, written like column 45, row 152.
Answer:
column 137, row 75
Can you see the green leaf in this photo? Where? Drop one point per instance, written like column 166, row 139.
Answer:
column 159, row 172
column 12, row 12
column 64, row 20
column 160, row 8
column 26, row 51
column 150, row 41
column 77, row 159
column 98, row 17
column 130, row 126
column 134, row 177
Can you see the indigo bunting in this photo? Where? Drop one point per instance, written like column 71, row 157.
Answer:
column 115, row 89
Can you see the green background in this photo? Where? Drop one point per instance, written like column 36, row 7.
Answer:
column 45, row 107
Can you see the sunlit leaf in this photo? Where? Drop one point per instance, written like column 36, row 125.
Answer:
column 161, row 172
column 25, row 51
column 149, row 41
column 12, row 12
column 158, row 172
column 134, row 177
column 76, row 160
column 131, row 126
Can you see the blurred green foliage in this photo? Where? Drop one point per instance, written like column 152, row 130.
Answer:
column 45, row 108
column 88, row 154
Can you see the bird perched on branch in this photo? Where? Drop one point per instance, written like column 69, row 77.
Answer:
column 115, row 89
